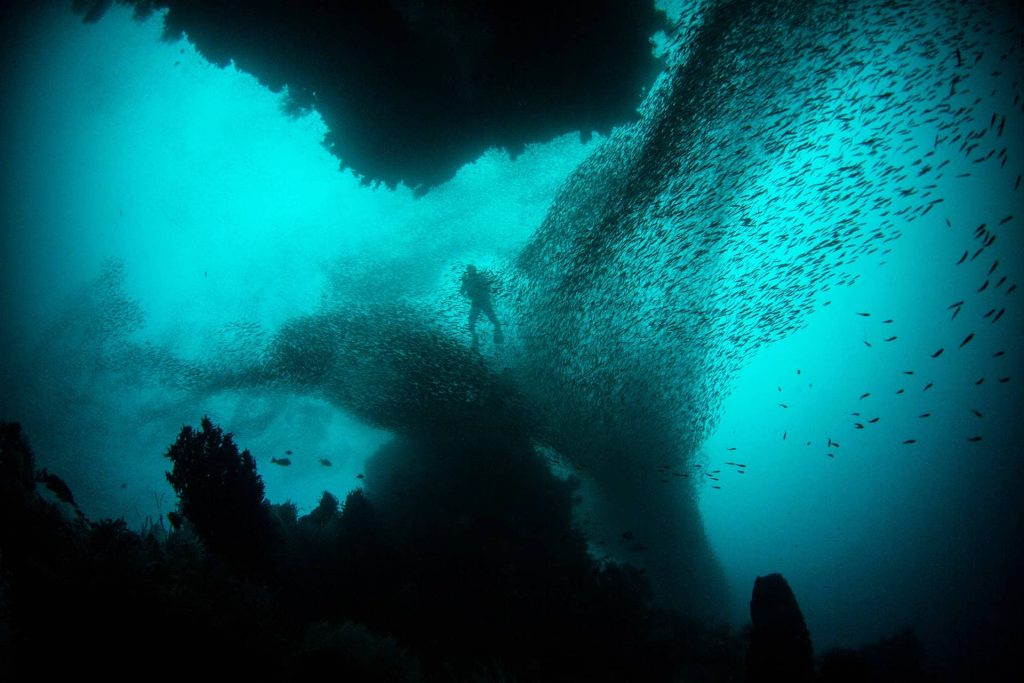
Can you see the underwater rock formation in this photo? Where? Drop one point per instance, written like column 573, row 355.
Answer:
column 411, row 91
column 780, row 645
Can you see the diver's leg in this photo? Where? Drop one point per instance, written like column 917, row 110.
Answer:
column 474, row 313
column 499, row 337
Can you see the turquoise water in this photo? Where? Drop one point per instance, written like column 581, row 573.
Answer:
column 687, row 292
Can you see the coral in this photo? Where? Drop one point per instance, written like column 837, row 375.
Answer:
column 780, row 645
column 220, row 494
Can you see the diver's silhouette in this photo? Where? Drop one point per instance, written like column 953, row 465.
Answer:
column 477, row 286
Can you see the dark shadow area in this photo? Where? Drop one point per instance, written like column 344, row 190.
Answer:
column 412, row 90
column 458, row 562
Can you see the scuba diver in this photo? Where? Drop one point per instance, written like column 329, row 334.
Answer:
column 477, row 286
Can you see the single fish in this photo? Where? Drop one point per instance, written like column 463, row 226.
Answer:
column 325, row 462
column 283, row 462
column 57, row 486
column 966, row 340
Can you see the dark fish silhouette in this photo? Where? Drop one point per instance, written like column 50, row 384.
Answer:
column 962, row 258
column 867, row 344
column 360, row 476
column 1004, row 380
column 925, row 415
column 891, row 339
column 283, row 462
column 983, row 287
column 976, row 412
column 866, row 315
column 56, row 485
column 909, row 441
column 966, row 339
column 979, row 381
column 900, row 391
column 994, row 266
column 287, row 452
column 974, row 438
column 325, row 462
column 937, row 353
column 873, row 420
column 928, row 386
column 865, row 395
column 999, row 314
column 783, row 405
column 998, row 353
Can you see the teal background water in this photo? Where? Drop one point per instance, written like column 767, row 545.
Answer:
column 138, row 173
